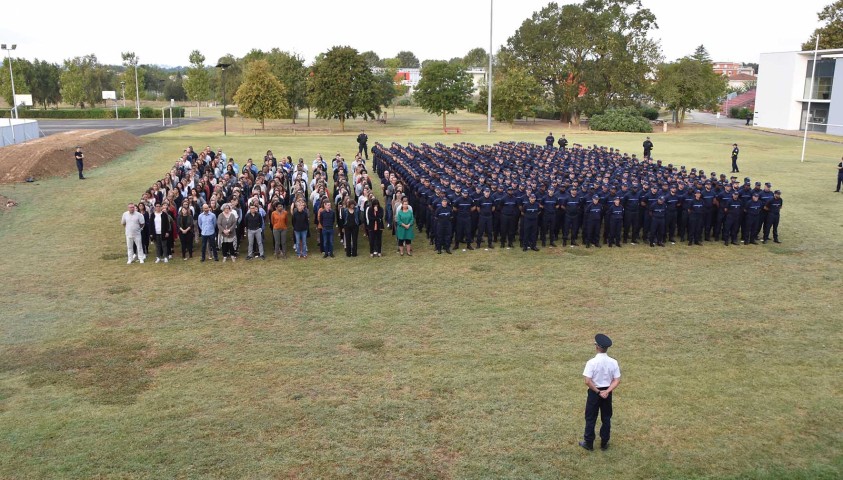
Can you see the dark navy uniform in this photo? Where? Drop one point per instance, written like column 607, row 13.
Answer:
column 572, row 205
column 549, row 205
column 765, row 196
column 549, row 140
column 631, row 204
column 509, row 219
column 593, row 217
column 531, row 223
column 773, row 207
column 657, row 214
column 695, row 210
column 753, row 210
column 464, row 206
column 731, row 209
column 486, row 207
column 735, row 152
column 616, row 215
column 708, row 196
column 674, row 203
column 648, row 147
column 444, row 214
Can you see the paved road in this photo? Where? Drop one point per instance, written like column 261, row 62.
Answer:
column 711, row 119
column 134, row 126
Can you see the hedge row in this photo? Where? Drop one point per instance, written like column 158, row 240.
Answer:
column 96, row 113
column 740, row 112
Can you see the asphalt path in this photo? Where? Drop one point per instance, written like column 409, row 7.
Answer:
column 144, row 126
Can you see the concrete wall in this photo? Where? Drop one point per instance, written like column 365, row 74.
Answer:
column 835, row 111
column 17, row 131
column 781, row 81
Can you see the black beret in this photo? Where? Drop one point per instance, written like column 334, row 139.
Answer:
column 602, row 341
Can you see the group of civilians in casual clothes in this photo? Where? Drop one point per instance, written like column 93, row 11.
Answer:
column 208, row 201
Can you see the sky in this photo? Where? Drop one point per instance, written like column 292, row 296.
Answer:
column 165, row 32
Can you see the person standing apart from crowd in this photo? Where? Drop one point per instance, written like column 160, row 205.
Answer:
column 405, row 220
column 839, row 175
column 327, row 217
column 735, row 152
column 374, row 226
column 278, row 219
column 301, row 225
column 563, row 142
column 773, row 208
column 160, row 232
column 362, row 141
column 185, row 223
column 648, row 147
column 134, row 222
column 227, row 224
column 208, row 229
column 549, row 140
column 80, row 158
column 602, row 376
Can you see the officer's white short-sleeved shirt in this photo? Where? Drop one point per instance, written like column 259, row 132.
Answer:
column 602, row 369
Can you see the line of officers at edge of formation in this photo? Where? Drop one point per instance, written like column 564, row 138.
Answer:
column 464, row 193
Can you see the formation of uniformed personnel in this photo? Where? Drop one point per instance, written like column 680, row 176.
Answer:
column 602, row 376
column 523, row 189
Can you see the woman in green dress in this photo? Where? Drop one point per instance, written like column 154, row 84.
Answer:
column 405, row 222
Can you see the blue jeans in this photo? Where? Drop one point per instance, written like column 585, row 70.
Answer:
column 328, row 241
column 206, row 241
column 301, row 242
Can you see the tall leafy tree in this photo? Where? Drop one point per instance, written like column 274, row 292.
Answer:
column 174, row 88
column 476, row 57
column 831, row 33
column 343, row 86
column 261, row 95
column 233, row 76
column 688, row 84
column 130, row 61
column 515, row 94
column 701, row 54
column 372, row 59
column 43, row 80
column 289, row 69
column 588, row 56
column 21, row 68
column 444, row 88
column 197, row 84
column 83, row 79
column 408, row 59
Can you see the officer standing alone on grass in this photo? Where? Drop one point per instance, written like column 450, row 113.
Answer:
column 602, row 375
column 839, row 175
column 735, row 152
column 80, row 157
column 362, row 144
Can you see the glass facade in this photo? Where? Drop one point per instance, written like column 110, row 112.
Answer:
column 823, row 79
column 819, row 114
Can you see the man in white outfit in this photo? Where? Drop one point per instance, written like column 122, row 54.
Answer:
column 602, row 375
column 133, row 222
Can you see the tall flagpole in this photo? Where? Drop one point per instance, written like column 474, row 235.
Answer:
column 810, row 96
column 491, row 53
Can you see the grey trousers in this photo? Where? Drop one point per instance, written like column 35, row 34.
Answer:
column 255, row 236
column 280, row 237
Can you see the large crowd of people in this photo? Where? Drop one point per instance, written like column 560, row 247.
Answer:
column 460, row 196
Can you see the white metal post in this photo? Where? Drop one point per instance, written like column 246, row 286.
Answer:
column 810, row 96
column 12, row 76
column 491, row 53
column 137, row 87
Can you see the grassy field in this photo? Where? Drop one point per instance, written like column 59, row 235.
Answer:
column 463, row 366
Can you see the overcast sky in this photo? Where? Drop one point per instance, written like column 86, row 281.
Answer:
column 165, row 32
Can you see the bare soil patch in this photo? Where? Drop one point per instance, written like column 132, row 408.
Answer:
column 53, row 155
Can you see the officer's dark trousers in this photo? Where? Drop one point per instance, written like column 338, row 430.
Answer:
column 572, row 226
column 644, row 221
column 443, row 235
column 592, row 231
column 605, row 228
column 672, row 218
column 484, row 227
column 549, row 227
column 531, row 231
column 762, row 221
column 496, row 226
column 730, row 229
column 772, row 221
column 79, row 167
column 735, row 166
column 656, row 230
column 615, row 231
column 695, row 226
column 630, row 222
column 683, row 225
column 463, row 231
column 507, row 229
column 751, row 227
column 707, row 214
column 716, row 223
column 362, row 150
column 594, row 404
column 839, row 182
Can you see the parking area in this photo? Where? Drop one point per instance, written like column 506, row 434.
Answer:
column 134, row 126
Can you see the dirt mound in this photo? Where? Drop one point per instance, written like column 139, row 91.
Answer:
column 53, row 155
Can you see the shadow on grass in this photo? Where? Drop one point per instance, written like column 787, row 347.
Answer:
column 371, row 345
column 108, row 368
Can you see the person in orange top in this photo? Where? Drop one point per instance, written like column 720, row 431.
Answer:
column 279, row 220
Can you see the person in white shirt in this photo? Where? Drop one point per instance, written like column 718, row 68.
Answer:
column 133, row 221
column 602, row 375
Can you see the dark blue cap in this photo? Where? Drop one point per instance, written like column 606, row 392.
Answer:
column 602, row 341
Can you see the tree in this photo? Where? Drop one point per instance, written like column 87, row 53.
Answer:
column 233, row 76
column 701, row 54
column 443, row 89
column 83, row 79
column 174, row 88
column 688, row 84
column 342, row 86
column 408, row 59
column 515, row 94
column 589, row 56
column 197, row 85
column 43, row 80
column 372, row 59
column 476, row 58
column 831, row 33
column 289, row 69
column 261, row 95
column 21, row 68
column 130, row 61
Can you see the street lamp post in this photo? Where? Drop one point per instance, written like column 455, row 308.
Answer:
column 11, row 74
column 123, row 87
column 223, row 66
column 491, row 53
column 137, row 87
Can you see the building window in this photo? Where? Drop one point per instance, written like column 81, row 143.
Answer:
column 819, row 114
column 823, row 79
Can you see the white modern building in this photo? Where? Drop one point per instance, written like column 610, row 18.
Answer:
column 784, row 86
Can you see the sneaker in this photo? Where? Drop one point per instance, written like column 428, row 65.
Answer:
column 141, row 260
column 129, row 262
column 157, row 260
column 233, row 259
column 166, row 260
column 223, row 259
column 134, row 256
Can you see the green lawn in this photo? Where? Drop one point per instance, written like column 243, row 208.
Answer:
column 463, row 366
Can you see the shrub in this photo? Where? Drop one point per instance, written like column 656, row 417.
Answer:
column 738, row 112
column 548, row 115
column 96, row 113
column 620, row 120
column 648, row 112
column 405, row 102
column 228, row 112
